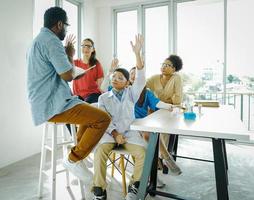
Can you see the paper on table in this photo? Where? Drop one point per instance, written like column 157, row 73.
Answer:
column 77, row 71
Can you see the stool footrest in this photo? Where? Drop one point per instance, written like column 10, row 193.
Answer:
column 65, row 142
column 58, row 171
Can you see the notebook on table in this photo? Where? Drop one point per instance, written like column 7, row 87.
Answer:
column 207, row 103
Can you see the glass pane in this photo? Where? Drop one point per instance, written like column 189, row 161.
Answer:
column 240, row 73
column 72, row 13
column 156, row 38
column 40, row 6
column 200, row 43
column 126, row 31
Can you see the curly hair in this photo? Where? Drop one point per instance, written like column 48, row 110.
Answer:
column 176, row 61
column 53, row 15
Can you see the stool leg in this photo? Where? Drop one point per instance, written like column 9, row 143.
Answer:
column 65, row 153
column 43, row 159
column 113, row 164
column 123, row 174
column 53, row 162
column 74, row 137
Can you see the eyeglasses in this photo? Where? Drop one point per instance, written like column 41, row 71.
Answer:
column 87, row 46
column 66, row 25
column 166, row 65
column 118, row 78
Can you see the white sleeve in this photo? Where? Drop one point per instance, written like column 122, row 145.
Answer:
column 162, row 105
column 138, row 85
column 105, row 83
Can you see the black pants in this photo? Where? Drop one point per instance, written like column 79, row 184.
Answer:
column 92, row 98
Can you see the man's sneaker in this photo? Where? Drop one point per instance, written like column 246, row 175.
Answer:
column 171, row 164
column 78, row 169
column 160, row 183
column 132, row 191
column 87, row 163
column 99, row 194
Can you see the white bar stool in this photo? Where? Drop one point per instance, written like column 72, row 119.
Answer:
column 65, row 140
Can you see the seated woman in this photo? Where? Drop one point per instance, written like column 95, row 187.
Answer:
column 119, row 104
column 168, row 87
column 88, row 86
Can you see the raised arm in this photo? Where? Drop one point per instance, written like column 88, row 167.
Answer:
column 106, row 81
column 139, row 40
column 139, row 82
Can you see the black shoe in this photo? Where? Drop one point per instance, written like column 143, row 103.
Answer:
column 99, row 194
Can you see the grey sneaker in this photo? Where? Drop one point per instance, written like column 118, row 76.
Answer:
column 99, row 194
column 132, row 191
column 78, row 169
column 171, row 164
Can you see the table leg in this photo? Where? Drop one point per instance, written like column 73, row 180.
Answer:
column 220, row 170
column 150, row 152
column 225, row 153
column 154, row 170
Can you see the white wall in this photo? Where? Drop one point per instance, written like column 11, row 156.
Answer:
column 98, row 25
column 18, row 136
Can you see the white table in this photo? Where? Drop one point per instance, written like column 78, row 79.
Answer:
column 219, row 124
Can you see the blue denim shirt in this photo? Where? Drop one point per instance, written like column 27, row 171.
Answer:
column 48, row 94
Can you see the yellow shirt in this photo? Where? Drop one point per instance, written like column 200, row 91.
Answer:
column 171, row 93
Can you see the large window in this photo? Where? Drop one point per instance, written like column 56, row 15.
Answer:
column 126, row 31
column 72, row 9
column 213, row 37
column 200, row 43
column 240, row 73
column 156, row 38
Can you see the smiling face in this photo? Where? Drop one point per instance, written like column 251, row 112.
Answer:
column 118, row 81
column 87, row 48
column 167, row 68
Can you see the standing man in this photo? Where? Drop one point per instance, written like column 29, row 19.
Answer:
column 50, row 96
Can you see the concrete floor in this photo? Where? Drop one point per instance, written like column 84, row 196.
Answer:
column 19, row 181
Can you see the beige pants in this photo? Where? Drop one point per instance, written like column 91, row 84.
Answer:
column 164, row 140
column 101, row 157
column 163, row 143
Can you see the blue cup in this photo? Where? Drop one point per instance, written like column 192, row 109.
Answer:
column 189, row 115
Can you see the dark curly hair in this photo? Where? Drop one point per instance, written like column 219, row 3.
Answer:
column 176, row 61
column 54, row 15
